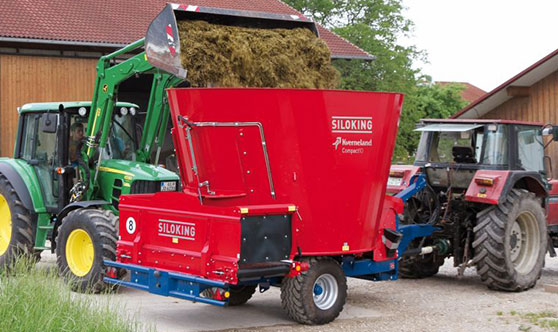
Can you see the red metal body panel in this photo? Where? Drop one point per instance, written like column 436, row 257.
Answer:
column 338, row 188
column 392, row 207
column 203, row 250
column 329, row 154
column 405, row 172
column 552, row 211
column 487, row 194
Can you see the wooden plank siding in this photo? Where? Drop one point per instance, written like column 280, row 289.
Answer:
column 28, row 79
column 540, row 106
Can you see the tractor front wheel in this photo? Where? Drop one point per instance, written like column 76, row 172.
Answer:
column 420, row 266
column 316, row 296
column 86, row 238
column 422, row 208
column 17, row 227
column 511, row 242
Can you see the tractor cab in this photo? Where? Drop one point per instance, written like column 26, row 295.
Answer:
column 487, row 191
column 50, row 138
column 452, row 151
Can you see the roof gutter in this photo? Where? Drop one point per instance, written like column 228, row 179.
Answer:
column 353, row 57
column 60, row 42
column 366, row 57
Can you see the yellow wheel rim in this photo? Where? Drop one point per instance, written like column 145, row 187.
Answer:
column 5, row 225
column 79, row 252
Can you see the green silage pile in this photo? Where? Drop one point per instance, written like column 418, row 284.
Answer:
column 230, row 56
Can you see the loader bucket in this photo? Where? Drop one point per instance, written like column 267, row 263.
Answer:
column 162, row 41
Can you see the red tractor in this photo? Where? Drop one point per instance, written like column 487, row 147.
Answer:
column 488, row 194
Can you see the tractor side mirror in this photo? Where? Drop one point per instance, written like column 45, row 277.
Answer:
column 551, row 130
column 49, row 122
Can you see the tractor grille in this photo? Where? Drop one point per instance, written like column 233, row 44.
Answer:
column 116, row 192
column 145, row 187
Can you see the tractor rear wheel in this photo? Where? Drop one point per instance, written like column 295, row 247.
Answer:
column 85, row 239
column 316, row 296
column 510, row 242
column 17, row 227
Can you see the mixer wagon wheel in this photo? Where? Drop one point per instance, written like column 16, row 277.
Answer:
column 17, row 227
column 510, row 242
column 316, row 296
column 238, row 294
column 86, row 238
column 241, row 294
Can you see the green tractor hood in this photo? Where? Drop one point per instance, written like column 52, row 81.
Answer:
column 122, row 177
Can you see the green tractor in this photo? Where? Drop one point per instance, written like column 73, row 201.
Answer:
column 71, row 163
column 66, row 190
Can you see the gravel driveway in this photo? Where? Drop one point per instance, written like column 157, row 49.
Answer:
column 440, row 303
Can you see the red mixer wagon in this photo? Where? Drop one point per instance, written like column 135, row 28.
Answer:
column 279, row 187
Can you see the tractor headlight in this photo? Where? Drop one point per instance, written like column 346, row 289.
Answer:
column 82, row 111
column 123, row 111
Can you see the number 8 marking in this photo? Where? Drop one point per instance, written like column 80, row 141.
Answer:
column 131, row 225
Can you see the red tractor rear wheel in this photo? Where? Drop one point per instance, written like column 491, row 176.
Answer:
column 510, row 242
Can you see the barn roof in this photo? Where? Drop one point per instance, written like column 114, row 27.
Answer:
column 470, row 92
column 504, row 92
column 117, row 23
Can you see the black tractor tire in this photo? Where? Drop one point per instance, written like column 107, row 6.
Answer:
column 427, row 209
column 241, row 294
column 99, row 229
column 511, row 242
column 21, row 240
column 304, row 304
column 421, row 266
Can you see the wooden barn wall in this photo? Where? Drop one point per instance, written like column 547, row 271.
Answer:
column 540, row 106
column 28, row 79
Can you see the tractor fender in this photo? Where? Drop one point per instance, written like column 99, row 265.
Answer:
column 530, row 181
column 67, row 209
column 493, row 186
column 17, row 182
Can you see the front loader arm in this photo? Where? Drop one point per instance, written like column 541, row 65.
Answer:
column 109, row 77
column 157, row 117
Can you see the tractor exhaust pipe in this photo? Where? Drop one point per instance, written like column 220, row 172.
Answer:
column 162, row 41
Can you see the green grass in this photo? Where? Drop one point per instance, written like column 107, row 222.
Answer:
column 35, row 299
column 546, row 319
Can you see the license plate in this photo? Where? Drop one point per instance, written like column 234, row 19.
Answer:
column 168, row 186
column 394, row 181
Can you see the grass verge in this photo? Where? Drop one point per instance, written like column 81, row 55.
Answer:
column 35, row 299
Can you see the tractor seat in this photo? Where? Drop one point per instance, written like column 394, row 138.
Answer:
column 463, row 155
